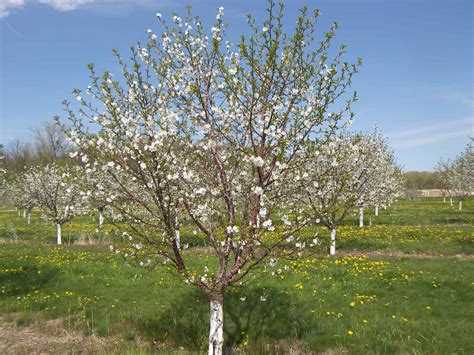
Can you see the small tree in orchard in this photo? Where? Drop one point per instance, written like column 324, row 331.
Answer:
column 203, row 132
column 390, row 178
column 443, row 170
column 461, row 175
column 19, row 194
column 383, row 181
column 343, row 172
column 11, row 195
column 3, row 174
column 337, row 173
column 56, row 193
column 96, row 188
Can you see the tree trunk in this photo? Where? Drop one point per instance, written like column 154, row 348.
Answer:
column 101, row 217
column 332, row 247
column 58, row 234
column 216, row 329
column 29, row 217
column 361, row 217
column 18, row 212
column 460, row 205
column 24, row 213
column 376, row 211
column 451, row 201
column 444, row 199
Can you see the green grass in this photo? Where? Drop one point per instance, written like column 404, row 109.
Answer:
column 419, row 301
column 312, row 305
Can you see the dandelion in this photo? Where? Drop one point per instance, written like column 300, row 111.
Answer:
column 350, row 332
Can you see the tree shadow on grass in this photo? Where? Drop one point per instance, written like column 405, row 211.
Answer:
column 22, row 281
column 264, row 314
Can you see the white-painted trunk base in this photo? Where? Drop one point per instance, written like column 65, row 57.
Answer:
column 101, row 218
column 332, row 247
column 177, row 233
column 460, row 205
column 451, row 201
column 178, row 239
column 444, row 199
column 29, row 217
column 58, row 234
column 376, row 211
column 361, row 217
column 24, row 213
column 216, row 331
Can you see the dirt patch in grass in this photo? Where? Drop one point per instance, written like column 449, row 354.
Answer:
column 47, row 337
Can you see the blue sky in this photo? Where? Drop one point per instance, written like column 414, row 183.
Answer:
column 416, row 82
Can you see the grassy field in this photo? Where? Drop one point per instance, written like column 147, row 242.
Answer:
column 403, row 285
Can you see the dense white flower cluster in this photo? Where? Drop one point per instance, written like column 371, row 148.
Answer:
column 191, row 135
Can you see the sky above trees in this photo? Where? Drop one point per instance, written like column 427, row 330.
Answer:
column 416, row 82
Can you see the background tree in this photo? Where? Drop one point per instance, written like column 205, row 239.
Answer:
column 381, row 175
column 203, row 132
column 98, row 189
column 3, row 175
column 54, row 190
column 18, row 195
column 18, row 155
column 443, row 170
column 345, row 172
column 50, row 143
column 47, row 144
column 461, row 174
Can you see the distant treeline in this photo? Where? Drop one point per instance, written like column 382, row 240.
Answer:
column 46, row 144
column 421, row 180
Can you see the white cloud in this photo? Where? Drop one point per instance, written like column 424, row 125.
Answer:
column 434, row 138
column 430, row 128
column 65, row 5
column 434, row 133
column 462, row 97
column 7, row 5
column 100, row 6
